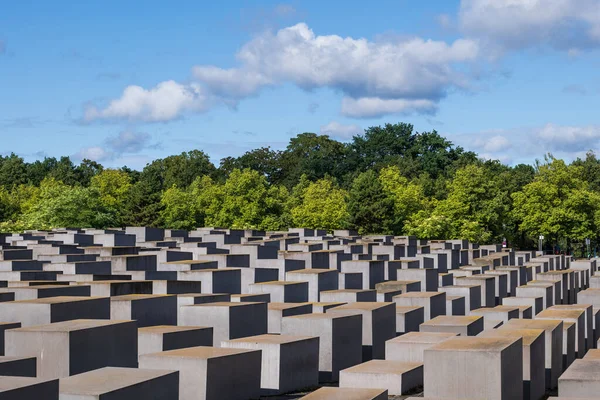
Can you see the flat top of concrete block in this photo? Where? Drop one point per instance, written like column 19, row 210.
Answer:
column 15, row 358
column 244, row 295
column 536, row 283
column 226, row 304
column 362, row 306
column 108, row 379
column 460, row 286
column 134, row 297
column 528, row 335
column 470, row 343
column 423, row 337
column 395, row 283
column 348, row 291
column 189, row 262
column 568, row 325
column 14, row 382
column 202, row 294
column 384, row 367
column 336, row 393
column 325, row 303
column 477, row 277
column 453, row 320
column 582, row 370
column 558, row 272
column 407, row 309
column 452, row 298
column 69, row 326
column 159, row 329
column 593, row 354
column 484, row 310
column 280, row 283
column 421, row 294
column 553, row 313
column 546, row 324
column 270, row 339
column 317, row 316
column 287, row 306
column 37, row 287
column 312, row 271
column 57, row 299
column 110, row 282
column 199, row 352
column 571, row 307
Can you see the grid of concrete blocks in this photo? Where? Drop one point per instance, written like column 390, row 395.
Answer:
column 146, row 313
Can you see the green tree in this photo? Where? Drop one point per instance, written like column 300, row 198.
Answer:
column 178, row 209
column 558, row 204
column 315, row 156
column 13, row 171
column 245, row 200
column 264, row 160
column 476, row 206
column 60, row 205
column 322, row 206
column 408, row 198
column 370, row 209
column 113, row 186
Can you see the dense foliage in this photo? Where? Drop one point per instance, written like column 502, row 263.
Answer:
column 389, row 180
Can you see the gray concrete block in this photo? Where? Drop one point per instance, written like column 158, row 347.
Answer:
column 111, row 383
column 146, row 309
column 289, row 362
column 340, row 340
column 25, row 388
column 229, row 320
column 154, row 339
column 378, row 325
column 72, row 347
column 18, row 366
column 396, row 376
column 209, row 373
column 475, row 368
column 55, row 309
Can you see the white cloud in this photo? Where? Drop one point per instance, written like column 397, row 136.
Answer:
column 167, row 101
column 570, row 138
column 341, row 131
column 409, row 69
column 375, row 77
column 493, row 144
column 371, row 107
column 94, row 153
column 569, row 25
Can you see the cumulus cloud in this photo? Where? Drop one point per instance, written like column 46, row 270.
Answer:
column 341, row 131
column 569, row 138
column 493, row 144
column 125, row 143
column 94, row 153
column 413, row 69
column 167, row 101
column 375, row 77
column 570, row 25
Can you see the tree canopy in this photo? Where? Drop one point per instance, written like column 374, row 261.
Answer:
column 390, row 179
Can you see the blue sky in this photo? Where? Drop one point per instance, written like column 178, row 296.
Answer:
column 128, row 82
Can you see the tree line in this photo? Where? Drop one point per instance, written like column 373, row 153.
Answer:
column 388, row 180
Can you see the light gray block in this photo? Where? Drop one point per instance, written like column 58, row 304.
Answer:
column 210, row 373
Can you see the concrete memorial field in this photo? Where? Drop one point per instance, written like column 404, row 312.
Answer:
column 225, row 314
